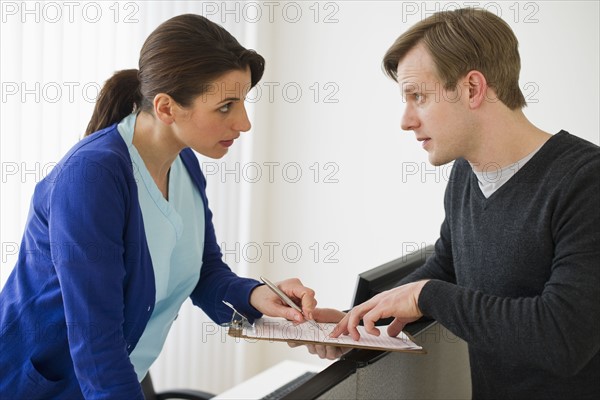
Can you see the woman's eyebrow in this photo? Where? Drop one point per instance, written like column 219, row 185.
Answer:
column 227, row 99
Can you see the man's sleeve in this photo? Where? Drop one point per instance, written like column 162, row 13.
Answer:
column 558, row 330
column 439, row 265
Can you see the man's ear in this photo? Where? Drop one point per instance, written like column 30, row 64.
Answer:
column 478, row 87
column 164, row 108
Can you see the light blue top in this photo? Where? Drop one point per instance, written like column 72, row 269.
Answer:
column 175, row 235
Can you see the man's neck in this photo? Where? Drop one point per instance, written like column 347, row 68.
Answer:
column 506, row 140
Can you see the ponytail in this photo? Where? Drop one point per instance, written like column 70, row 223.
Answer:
column 119, row 97
column 180, row 58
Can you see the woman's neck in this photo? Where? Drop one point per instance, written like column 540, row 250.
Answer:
column 157, row 147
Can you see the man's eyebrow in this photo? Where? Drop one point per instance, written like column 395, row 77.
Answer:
column 409, row 87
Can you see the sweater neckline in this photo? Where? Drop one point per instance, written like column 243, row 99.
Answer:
column 523, row 173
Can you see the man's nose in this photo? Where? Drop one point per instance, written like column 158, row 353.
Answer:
column 409, row 121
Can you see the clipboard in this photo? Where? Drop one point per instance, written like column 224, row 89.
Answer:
column 282, row 330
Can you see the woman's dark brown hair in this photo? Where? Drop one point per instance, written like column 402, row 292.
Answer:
column 181, row 58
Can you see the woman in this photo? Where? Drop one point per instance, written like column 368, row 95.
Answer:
column 120, row 233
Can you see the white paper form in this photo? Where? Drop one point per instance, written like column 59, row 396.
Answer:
column 279, row 329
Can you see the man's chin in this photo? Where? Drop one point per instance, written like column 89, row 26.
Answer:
column 439, row 161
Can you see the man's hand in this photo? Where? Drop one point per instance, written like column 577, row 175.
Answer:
column 264, row 300
column 400, row 303
column 324, row 351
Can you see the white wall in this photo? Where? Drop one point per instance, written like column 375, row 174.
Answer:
column 374, row 198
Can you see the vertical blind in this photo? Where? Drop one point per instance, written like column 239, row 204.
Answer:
column 54, row 58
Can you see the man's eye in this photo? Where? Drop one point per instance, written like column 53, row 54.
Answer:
column 418, row 97
column 225, row 108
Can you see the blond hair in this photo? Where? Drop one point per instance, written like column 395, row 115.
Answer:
column 463, row 40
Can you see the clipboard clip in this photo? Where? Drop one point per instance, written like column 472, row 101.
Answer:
column 238, row 322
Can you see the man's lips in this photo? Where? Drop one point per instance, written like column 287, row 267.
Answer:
column 424, row 141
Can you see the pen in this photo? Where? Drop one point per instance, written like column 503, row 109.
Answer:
column 287, row 300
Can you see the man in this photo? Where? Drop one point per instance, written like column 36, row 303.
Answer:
column 516, row 270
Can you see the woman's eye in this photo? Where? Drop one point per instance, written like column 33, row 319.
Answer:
column 418, row 97
column 225, row 108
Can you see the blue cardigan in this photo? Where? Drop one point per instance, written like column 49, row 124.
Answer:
column 83, row 289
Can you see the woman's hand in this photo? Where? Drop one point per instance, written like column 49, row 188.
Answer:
column 264, row 300
column 324, row 351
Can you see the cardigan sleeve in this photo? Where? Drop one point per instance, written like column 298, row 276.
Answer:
column 217, row 282
column 86, row 221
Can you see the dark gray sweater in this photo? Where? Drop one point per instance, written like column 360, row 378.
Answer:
column 517, row 275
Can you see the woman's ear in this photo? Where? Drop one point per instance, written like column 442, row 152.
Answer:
column 164, row 108
column 478, row 87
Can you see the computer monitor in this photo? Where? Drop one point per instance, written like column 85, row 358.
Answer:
column 388, row 275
